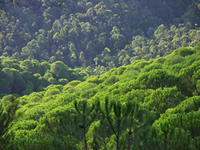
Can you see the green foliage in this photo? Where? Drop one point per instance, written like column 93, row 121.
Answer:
column 99, row 34
column 174, row 60
column 157, row 78
column 24, row 139
column 111, row 80
column 184, row 51
column 6, row 118
column 87, row 115
column 144, row 105
column 59, row 69
column 25, row 77
column 152, row 66
column 188, row 105
column 52, row 91
column 4, row 121
column 4, row 86
column 149, row 104
column 160, row 100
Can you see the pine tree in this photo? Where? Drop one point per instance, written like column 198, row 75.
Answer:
column 4, row 121
column 6, row 118
column 65, row 133
column 121, row 115
column 88, row 114
column 125, row 120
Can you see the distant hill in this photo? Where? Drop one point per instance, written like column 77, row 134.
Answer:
column 98, row 35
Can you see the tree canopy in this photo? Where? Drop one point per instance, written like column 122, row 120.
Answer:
column 99, row 74
column 145, row 105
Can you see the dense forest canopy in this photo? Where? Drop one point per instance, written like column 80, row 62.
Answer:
column 99, row 74
column 98, row 34
column 146, row 105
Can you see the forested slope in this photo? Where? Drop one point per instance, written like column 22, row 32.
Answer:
column 25, row 77
column 98, row 34
column 145, row 105
column 100, row 74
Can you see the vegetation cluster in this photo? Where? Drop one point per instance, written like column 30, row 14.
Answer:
column 25, row 77
column 145, row 105
column 99, row 34
column 100, row 74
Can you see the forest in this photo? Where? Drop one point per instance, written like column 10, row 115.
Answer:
column 101, row 74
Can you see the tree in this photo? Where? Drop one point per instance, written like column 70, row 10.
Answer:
column 88, row 114
column 6, row 117
column 158, row 78
column 123, row 119
column 36, row 4
column 59, row 70
column 4, row 121
column 160, row 100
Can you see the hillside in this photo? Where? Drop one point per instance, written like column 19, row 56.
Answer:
column 145, row 105
column 25, row 77
column 99, row 74
column 97, row 35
